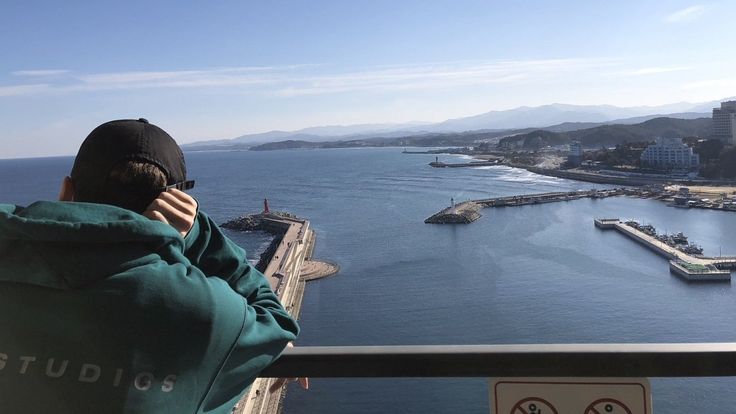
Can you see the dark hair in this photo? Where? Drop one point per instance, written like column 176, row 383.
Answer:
column 130, row 184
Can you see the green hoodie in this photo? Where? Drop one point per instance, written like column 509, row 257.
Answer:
column 105, row 311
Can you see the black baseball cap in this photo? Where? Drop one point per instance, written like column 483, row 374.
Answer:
column 126, row 140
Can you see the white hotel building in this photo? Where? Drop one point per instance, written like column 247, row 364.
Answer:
column 670, row 153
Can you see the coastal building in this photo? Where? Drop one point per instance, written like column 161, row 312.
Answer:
column 575, row 154
column 724, row 122
column 670, row 153
column 511, row 144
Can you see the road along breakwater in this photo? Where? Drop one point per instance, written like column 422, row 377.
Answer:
column 440, row 164
column 690, row 267
column 469, row 211
column 287, row 264
column 627, row 178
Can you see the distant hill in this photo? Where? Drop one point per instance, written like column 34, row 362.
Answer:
column 528, row 138
column 313, row 134
column 609, row 135
column 425, row 140
column 541, row 116
column 562, row 117
column 288, row 144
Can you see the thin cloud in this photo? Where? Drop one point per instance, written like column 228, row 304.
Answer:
column 712, row 83
column 236, row 75
column 293, row 80
column 687, row 14
column 439, row 76
column 136, row 77
column 19, row 90
column 40, row 73
column 657, row 70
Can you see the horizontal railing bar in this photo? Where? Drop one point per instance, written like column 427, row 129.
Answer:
column 539, row 360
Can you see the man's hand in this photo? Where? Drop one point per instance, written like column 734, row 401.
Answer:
column 304, row 381
column 174, row 207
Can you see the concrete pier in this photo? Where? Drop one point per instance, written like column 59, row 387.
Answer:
column 692, row 268
column 527, row 199
column 285, row 275
column 468, row 211
column 699, row 273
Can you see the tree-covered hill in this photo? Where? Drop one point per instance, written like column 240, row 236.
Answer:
column 611, row 135
column 595, row 137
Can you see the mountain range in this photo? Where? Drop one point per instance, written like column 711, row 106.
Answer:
column 553, row 117
column 613, row 134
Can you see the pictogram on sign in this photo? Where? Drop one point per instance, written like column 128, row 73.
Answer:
column 533, row 405
column 607, row 406
column 570, row 396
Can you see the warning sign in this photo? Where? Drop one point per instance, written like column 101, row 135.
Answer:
column 570, row 395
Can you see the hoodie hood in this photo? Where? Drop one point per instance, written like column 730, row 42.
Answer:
column 67, row 245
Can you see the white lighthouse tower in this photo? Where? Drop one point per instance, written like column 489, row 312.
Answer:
column 452, row 206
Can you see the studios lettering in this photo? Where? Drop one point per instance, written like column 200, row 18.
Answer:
column 84, row 372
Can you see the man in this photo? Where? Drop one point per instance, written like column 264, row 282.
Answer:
column 122, row 297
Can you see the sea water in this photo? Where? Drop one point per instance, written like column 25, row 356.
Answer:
column 533, row 274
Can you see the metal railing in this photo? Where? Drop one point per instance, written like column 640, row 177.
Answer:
column 558, row 360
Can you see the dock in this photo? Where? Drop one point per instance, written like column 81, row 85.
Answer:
column 288, row 271
column 690, row 267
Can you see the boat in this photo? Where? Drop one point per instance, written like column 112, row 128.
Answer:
column 691, row 249
column 679, row 238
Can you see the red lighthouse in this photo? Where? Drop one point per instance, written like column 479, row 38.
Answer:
column 265, row 206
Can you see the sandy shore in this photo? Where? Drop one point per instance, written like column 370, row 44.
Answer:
column 701, row 191
column 317, row 269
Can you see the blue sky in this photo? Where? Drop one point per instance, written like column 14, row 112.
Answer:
column 222, row 69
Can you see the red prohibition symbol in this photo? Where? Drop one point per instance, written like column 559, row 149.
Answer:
column 607, row 406
column 533, row 405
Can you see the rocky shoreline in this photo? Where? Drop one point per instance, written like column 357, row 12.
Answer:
column 251, row 222
column 267, row 254
column 254, row 222
column 464, row 213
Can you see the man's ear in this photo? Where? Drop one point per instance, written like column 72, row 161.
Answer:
column 67, row 190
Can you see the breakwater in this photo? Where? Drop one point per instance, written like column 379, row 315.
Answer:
column 287, row 264
column 624, row 179
column 526, row 199
column 598, row 177
column 463, row 213
column 468, row 211
column 440, row 164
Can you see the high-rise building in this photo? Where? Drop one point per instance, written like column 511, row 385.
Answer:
column 575, row 156
column 670, row 153
column 724, row 122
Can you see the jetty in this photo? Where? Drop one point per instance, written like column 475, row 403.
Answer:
column 462, row 213
column 469, row 211
column 287, row 269
column 690, row 267
column 440, row 164
column 527, row 199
